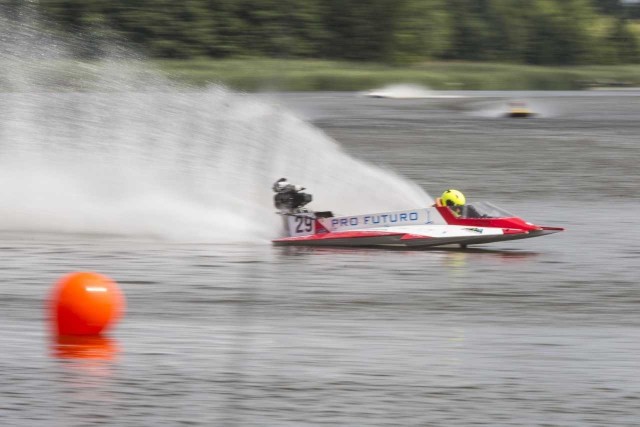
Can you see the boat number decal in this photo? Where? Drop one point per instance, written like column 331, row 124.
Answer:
column 304, row 224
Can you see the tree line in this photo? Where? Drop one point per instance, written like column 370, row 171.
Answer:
column 550, row 32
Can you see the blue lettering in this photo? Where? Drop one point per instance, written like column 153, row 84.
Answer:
column 375, row 219
column 403, row 217
column 393, row 217
column 334, row 222
column 413, row 216
column 343, row 221
column 353, row 221
column 384, row 217
column 428, row 221
column 366, row 220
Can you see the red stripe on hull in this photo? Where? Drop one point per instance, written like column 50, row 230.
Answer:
column 341, row 235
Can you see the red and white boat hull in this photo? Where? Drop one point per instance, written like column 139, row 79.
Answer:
column 418, row 228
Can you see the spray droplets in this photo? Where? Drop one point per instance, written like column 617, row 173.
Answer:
column 131, row 153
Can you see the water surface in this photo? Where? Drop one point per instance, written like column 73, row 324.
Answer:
column 532, row 332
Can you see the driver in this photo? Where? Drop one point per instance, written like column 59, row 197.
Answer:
column 454, row 199
column 289, row 198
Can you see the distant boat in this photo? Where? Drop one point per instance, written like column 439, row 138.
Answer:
column 519, row 110
column 407, row 91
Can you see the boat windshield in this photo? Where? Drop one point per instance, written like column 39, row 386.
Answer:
column 482, row 210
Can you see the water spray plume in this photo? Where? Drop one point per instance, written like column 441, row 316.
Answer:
column 113, row 147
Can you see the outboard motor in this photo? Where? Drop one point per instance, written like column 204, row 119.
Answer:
column 289, row 198
column 291, row 202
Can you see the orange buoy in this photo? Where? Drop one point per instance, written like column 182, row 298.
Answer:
column 85, row 304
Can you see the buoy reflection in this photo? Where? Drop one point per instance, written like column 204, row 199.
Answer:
column 94, row 347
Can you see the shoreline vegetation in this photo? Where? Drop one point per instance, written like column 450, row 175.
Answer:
column 308, row 75
column 266, row 45
column 254, row 75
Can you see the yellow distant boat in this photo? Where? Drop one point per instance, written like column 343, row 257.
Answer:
column 519, row 109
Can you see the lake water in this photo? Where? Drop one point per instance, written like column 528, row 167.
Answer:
column 228, row 330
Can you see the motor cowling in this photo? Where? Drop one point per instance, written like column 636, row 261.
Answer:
column 291, row 201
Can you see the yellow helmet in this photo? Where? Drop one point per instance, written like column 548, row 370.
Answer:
column 452, row 198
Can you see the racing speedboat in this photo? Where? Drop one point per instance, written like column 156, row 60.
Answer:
column 519, row 110
column 438, row 225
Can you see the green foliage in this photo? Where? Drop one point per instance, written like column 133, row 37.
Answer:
column 423, row 30
column 305, row 75
column 623, row 43
column 557, row 32
column 359, row 29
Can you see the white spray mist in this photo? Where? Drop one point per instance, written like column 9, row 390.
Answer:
column 127, row 152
